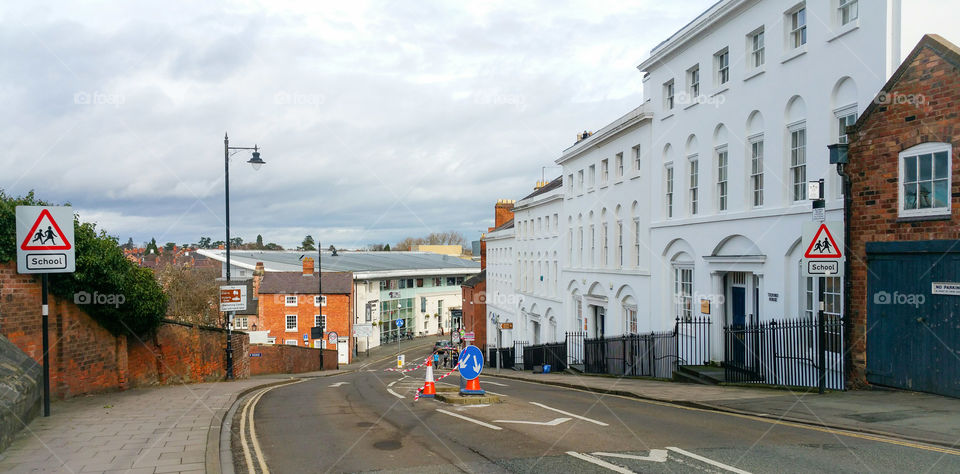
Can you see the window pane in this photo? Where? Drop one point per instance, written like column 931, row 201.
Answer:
column 940, row 193
column 910, row 169
column 909, row 196
column 940, row 164
column 925, row 194
column 925, row 162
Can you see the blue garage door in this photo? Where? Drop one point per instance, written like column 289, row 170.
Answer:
column 913, row 335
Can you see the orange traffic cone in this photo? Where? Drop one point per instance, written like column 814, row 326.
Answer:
column 472, row 388
column 429, row 389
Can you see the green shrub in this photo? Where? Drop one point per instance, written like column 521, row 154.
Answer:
column 101, row 268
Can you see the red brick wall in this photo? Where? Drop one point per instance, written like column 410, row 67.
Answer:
column 273, row 312
column 181, row 353
column 277, row 359
column 474, row 312
column 933, row 115
column 85, row 358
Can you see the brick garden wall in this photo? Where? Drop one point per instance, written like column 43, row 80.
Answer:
column 923, row 106
column 279, row 359
column 85, row 358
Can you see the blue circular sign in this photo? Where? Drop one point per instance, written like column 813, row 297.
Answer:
column 470, row 363
column 399, row 323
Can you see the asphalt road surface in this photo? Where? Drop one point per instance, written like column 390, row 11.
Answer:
column 368, row 421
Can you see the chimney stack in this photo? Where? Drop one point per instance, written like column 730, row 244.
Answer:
column 308, row 266
column 257, row 278
column 503, row 212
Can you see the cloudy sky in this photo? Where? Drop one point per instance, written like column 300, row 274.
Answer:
column 378, row 120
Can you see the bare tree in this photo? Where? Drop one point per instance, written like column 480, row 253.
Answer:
column 192, row 293
column 449, row 237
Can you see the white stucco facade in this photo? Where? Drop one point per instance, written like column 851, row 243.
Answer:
column 691, row 205
column 538, row 246
column 501, row 297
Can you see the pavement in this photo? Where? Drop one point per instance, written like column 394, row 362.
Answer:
column 177, row 428
column 159, row 429
column 914, row 416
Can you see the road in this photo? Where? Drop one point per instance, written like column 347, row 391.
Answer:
column 367, row 421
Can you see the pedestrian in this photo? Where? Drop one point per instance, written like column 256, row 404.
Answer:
column 436, row 359
column 455, row 357
column 446, row 359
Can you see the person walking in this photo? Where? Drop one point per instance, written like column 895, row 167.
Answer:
column 436, row 359
column 455, row 357
column 446, row 359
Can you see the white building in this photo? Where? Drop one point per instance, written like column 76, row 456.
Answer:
column 538, row 248
column 691, row 205
column 501, row 299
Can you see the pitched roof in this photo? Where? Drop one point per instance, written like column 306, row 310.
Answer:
column 556, row 183
column 475, row 279
column 294, row 283
column 945, row 49
column 505, row 225
column 357, row 262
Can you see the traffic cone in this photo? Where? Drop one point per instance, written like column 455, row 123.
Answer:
column 429, row 389
column 472, row 388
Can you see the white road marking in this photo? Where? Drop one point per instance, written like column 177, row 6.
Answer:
column 338, row 384
column 707, row 460
column 467, row 418
column 247, row 412
column 395, row 394
column 571, row 414
column 553, row 422
column 391, row 383
column 656, row 455
column 495, row 383
column 600, row 462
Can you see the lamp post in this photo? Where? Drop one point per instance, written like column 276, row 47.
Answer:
column 256, row 163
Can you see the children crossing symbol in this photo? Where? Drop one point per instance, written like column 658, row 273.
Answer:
column 823, row 245
column 45, row 234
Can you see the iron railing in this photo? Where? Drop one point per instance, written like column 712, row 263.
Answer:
column 553, row 354
column 784, row 352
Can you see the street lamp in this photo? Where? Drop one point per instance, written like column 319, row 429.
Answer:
column 256, row 163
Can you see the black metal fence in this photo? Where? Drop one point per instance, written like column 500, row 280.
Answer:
column 784, row 352
column 553, row 354
column 574, row 342
column 504, row 353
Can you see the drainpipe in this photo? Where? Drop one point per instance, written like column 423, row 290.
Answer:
column 847, row 278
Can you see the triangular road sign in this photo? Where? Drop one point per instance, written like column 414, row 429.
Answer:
column 823, row 245
column 45, row 234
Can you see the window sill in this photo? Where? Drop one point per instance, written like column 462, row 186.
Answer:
column 635, row 177
column 793, row 54
column 723, row 88
column 921, row 218
column 603, row 186
column 692, row 104
column 667, row 116
column 756, row 72
column 843, row 30
column 291, row 330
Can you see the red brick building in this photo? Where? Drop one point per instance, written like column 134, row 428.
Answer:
column 904, row 227
column 475, row 307
column 289, row 307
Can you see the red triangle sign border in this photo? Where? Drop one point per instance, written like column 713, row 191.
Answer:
column 816, row 237
column 66, row 245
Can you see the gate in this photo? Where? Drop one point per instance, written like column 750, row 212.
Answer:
column 912, row 332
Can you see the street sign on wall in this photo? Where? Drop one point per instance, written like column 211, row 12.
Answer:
column 506, row 326
column 45, row 239
column 363, row 330
column 823, row 249
column 233, row 298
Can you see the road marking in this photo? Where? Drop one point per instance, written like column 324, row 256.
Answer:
column 248, row 413
column 600, row 462
column 338, row 384
column 495, row 383
column 471, row 420
column 571, row 414
column 395, row 394
column 802, row 426
column 707, row 460
column 656, row 455
column 553, row 422
column 391, row 383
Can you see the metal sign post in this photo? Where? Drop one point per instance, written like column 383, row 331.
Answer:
column 45, row 245
column 823, row 256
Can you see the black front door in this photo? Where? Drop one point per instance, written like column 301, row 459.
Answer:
column 738, row 320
